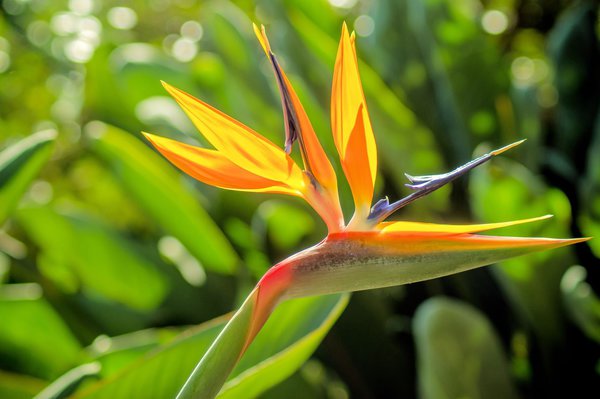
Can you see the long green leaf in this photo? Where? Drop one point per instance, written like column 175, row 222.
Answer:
column 216, row 364
column 158, row 189
column 32, row 333
column 582, row 305
column 255, row 375
column 444, row 96
column 79, row 251
column 19, row 165
column 68, row 383
column 458, row 353
column 532, row 283
column 288, row 338
column 19, row 386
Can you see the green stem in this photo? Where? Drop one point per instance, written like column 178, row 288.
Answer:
column 217, row 363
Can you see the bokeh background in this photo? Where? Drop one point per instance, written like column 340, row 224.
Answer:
column 107, row 252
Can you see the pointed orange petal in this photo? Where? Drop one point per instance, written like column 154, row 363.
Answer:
column 463, row 243
column 242, row 145
column 317, row 159
column 359, row 178
column 212, row 167
column 443, row 229
column 347, row 98
column 317, row 162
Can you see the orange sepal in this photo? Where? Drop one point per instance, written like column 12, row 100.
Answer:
column 242, row 145
column 212, row 167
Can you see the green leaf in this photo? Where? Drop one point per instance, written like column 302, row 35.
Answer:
column 573, row 48
column 532, row 283
column 19, row 165
column 115, row 353
column 68, row 383
column 589, row 187
column 285, row 342
column 216, row 364
column 77, row 250
column 455, row 134
column 19, row 386
column 582, row 305
column 290, row 336
column 287, row 225
column 458, row 353
column 159, row 373
column 158, row 188
column 33, row 338
column 133, row 71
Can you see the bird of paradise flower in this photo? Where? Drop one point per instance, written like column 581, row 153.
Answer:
column 367, row 252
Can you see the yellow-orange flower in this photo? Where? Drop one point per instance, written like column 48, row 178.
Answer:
column 367, row 252
column 242, row 159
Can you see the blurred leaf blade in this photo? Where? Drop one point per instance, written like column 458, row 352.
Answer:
column 459, row 354
column 156, row 187
column 19, row 386
column 94, row 256
column 531, row 284
column 33, row 333
column 582, row 305
column 256, row 372
column 19, row 165
column 65, row 385
column 162, row 372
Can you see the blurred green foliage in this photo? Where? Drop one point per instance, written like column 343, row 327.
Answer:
column 108, row 254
